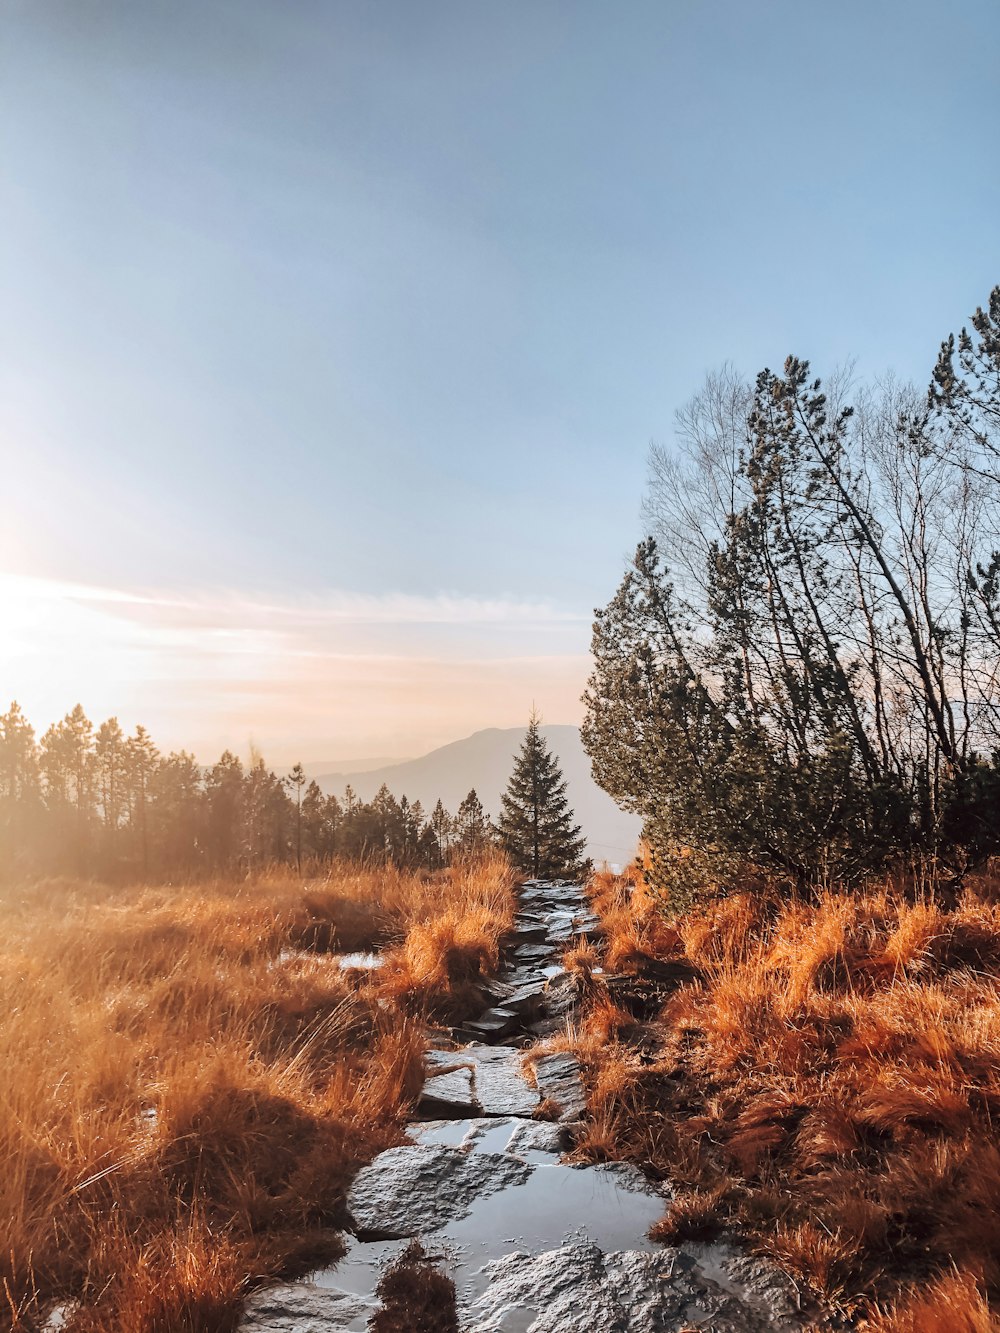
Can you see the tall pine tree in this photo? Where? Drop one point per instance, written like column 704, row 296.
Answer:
column 536, row 823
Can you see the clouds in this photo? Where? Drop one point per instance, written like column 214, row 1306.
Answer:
column 303, row 674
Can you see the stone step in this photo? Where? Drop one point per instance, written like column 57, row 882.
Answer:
column 479, row 1079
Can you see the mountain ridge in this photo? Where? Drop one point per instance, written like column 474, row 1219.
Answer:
column 484, row 761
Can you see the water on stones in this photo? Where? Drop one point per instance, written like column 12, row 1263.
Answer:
column 534, row 1245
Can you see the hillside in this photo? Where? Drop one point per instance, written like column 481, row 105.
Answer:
column 484, row 761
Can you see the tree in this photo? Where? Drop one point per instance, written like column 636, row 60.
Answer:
column 472, row 828
column 224, row 810
column 109, row 753
column 67, row 760
column 442, row 825
column 295, row 781
column 20, row 792
column 141, row 759
column 177, row 812
column 800, row 671
column 536, row 824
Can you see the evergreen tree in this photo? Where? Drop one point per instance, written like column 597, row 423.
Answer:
column 20, row 786
column 472, row 826
column 295, row 781
column 442, row 826
column 536, row 823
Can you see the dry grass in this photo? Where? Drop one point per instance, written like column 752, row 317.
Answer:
column 188, row 1080
column 828, row 1085
column 416, row 1296
column 952, row 1304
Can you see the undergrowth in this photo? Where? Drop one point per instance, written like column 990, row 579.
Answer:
column 825, row 1082
column 189, row 1080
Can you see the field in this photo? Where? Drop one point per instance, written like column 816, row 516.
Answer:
column 188, row 1079
column 822, row 1076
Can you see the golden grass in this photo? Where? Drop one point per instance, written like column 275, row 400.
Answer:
column 828, row 1085
column 416, row 1296
column 952, row 1304
column 188, row 1080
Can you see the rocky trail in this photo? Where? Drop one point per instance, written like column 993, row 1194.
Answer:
column 534, row 1244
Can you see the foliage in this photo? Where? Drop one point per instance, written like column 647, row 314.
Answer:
column 82, row 801
column 536, row 824
column 799, row 672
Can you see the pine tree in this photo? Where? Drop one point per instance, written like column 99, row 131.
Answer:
column 472, row 826
column 295, row 781
column 536, row 823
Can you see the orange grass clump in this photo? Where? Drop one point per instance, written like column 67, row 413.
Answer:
column 188, row 1081
column 952, row 1304
column 828, row 1084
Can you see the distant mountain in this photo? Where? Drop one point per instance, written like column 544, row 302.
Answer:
column 484, row 761
column 349, row 766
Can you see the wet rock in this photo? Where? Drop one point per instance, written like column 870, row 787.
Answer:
column 577, row 1288
column 492, row 1026
column 449, row 1133
column 530, row 933
column 563, row 994
column 558, row 1079
column 526, row 999
column 302, row 1308
column 537, row 1136
column 449, row 1096
column 500, row 1085
column 414, row 1189
column 531, row 953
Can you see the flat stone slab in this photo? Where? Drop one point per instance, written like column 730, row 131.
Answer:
column 534, row 1139
column 558, row 1078
column 530, row 933
column 500, row 1086
column 536, row 1136
column 300, row 1307
column 578, row 1288
column 494, row 1025
column 477, row 1080
column 419, row 1188
column 449, row 1095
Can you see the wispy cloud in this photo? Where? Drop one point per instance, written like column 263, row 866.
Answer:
column 209, row 667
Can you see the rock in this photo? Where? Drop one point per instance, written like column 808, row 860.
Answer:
column 530, row 953
column 537, row 1136
column 414, row 1189
column 526, row 999
column 302, row 1308
column 558, row 1078
column 500, row 1085
column 449, row 1095
column 493, row 1025
column 577, row 1288
column 530, row 933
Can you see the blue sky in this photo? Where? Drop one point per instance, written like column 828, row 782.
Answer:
column 378, row 305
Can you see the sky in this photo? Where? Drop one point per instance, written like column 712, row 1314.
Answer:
column 333, row 335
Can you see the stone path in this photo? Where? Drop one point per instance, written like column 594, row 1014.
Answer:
column 535, row 1245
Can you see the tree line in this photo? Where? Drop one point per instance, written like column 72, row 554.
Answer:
column 800, row 670
column 94, row 801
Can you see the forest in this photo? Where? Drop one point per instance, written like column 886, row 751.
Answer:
column 93, row 801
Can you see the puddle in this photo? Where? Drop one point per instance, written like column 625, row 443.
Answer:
column 556, row 1205
column 494, row 1138
column 441, row 1133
